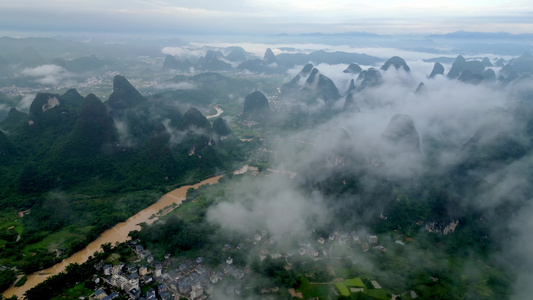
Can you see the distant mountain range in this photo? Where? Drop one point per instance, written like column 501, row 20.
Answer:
column 451, row 35
column 350, row 33
column 482, row 35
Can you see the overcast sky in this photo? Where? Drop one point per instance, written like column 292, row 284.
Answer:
column 265, row 16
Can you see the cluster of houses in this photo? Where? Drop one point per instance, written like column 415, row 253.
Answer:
column 320, row 248
column 192, row 279
column 248, row 123
column 312, row 249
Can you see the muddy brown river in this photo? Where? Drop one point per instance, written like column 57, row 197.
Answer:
column 119, row 233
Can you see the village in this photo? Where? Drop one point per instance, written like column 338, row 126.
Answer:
column 146, row 278
column 191, row 280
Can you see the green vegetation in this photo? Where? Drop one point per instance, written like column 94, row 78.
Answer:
column 41, row 260
column 7, row 277
column 309, row 290
column 49, row 236
column 354, row 282
column 59, row 239
column 70, row 168
column 84, row 289
column 378, row 294
column 217, row 87
column 427, row 263
column 84, row 165
column 184, row 231
column 10, row 226
column 341, row 287
column 75, row 281
column 21, row 281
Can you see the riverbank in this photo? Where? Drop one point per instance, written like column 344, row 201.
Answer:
column 119, row 233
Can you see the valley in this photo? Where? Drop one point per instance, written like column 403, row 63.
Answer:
column 298, row 174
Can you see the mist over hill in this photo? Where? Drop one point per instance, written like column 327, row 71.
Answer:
column 411, row 143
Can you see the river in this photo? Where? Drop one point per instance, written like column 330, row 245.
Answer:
column 219, row 112
column 119, row 233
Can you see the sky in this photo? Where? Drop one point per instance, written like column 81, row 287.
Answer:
column 264, row 16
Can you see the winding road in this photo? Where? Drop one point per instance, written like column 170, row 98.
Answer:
column 219, row 112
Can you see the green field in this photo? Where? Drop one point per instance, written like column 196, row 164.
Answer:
column 188, row 211
column 9, row 222
column 58, row 239
column 309, row 290
column 341, row 287
column 355, row 282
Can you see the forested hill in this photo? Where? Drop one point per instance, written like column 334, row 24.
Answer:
column 71, row 142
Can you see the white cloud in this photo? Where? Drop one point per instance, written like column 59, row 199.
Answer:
column 184, row 52
column 273, row 203
column 43, row 70
column 295, row 16
column 448, row 106
column 46, row 74
column 25, row 103
column 176, row 86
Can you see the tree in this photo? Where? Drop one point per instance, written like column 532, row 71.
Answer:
column 7, row 277
column 106, row 247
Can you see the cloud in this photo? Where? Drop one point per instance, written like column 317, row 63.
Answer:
column 125, row 138
column 4, row 106
column 46, row 74
column 176, row 86
column 184, row 52
column 265, row 17
column 274, row 204
column 449, row 110
column 43, row 70
column 282, row 46
column 450, row 113
column 519, row 258
column 178, row 136
column 25, row 103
